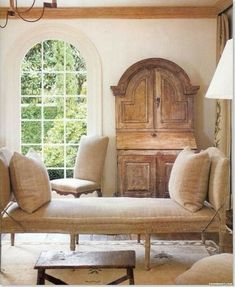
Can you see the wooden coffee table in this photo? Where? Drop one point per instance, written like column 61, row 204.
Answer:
column 81, row 260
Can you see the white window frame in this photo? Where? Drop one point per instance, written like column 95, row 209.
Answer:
column 11, row 94
column 42, row 120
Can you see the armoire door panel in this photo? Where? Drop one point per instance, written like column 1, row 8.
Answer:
column 135, row 110
column 171, row 105
column 138, row 174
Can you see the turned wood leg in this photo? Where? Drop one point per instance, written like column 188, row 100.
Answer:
column 138, row 238
column 77, row 238
column 203, row 237
column 99, row 192
column 147, row 251
column 221, row 241
column 12, row 239
column 72, row 242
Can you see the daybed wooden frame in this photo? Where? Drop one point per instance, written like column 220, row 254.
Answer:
column 121, row 215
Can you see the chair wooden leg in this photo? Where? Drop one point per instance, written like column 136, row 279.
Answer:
column 99, row 192
column 77, row 238
column 147, row 251
column 12, row 239
column 203, row 238
column 72, row 242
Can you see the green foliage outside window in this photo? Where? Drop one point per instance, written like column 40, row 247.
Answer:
column 53, row 104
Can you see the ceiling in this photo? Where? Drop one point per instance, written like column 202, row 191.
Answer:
column 114, row 3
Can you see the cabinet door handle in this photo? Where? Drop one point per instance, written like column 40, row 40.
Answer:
column 153, row 134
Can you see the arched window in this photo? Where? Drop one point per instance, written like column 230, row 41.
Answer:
column 53, row 104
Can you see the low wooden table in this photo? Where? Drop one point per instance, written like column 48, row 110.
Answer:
column 82, row 260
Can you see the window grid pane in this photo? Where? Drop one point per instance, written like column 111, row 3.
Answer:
column 53, row 105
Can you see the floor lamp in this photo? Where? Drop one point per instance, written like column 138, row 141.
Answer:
column 221, row 88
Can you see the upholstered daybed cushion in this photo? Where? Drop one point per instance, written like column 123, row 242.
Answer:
column 109, row 215
column 212, row 270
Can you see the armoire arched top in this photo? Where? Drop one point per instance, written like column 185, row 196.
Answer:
column 154, row 63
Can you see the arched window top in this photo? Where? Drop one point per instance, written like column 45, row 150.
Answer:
column 11, row 92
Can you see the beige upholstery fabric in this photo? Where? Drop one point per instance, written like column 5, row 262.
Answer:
column 188, row 184
column 219, row 178
column 30, row 182
column 103, row 214
column 90, row 158
column 5, row 186
column 213, row 269
column 73, row 185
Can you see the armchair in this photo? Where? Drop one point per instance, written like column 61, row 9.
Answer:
column 88, row 168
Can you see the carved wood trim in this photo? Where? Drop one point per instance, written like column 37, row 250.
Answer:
column 152, row 63
column 222, row 5
column 120, row 12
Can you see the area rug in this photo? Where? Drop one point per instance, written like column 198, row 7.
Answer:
column 168, row 260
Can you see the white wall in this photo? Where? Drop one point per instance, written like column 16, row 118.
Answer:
column 190, row 43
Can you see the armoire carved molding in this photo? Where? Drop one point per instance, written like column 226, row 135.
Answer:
column 154, row 102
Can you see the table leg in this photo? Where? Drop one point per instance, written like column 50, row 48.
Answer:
column 41, row 277
column 130, row 275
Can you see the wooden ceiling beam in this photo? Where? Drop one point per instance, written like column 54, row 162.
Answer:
column 120, row 13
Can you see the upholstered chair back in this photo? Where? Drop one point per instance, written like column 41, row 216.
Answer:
column 219, row 178
column 90, row 158
column 5, row 185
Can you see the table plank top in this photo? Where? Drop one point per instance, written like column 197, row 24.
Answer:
column 86, row 259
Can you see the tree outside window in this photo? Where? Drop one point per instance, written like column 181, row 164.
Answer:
column 53, row 104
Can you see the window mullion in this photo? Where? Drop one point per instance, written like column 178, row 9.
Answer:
column 42, row 96
column 65, row 142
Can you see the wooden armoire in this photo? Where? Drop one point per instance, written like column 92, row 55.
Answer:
column 154, row 102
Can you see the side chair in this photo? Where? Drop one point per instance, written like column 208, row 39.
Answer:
column 88, row 168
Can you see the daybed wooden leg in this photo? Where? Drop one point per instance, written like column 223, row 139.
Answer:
column 138, row 238
column 77, row 238
column 221, row 241
column 203, row 238
column 147, row 251
column 12, row 239
column 72, row 242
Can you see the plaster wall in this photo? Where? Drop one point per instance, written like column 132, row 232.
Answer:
column 190, row 43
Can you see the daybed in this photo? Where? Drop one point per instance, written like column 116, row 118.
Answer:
column 125, row 215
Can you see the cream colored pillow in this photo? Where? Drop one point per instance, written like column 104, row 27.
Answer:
column 30, row 182
column 212, row 270
column 188, row 183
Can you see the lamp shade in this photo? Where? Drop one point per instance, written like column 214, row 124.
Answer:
column 221, row 86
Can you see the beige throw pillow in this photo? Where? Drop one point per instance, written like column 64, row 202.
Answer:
column 188, row 183
column 30, row 182
column 211, row 270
